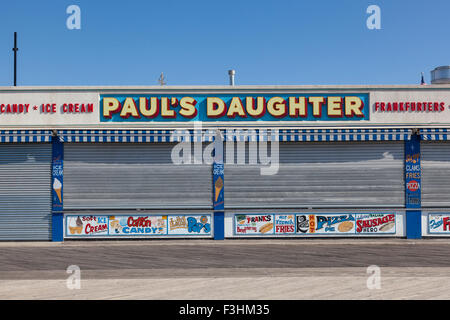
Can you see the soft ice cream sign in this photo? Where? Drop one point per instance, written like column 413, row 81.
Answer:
column 86, row 225
column 312, row 107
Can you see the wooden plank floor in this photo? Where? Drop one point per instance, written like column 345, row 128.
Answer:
column 227, row 270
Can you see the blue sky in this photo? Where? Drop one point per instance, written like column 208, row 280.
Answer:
column 195, row 42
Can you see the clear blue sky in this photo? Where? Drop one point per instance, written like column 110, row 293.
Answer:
column 195, row 42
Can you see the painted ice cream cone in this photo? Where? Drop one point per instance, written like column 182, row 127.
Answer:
column 78, row 228
column 218, row 185
column 58, row 193
column 79, row 224
column 57, row 186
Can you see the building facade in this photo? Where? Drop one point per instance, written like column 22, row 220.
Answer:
column 224, row 162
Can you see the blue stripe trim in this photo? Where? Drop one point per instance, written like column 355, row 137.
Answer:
column 437, row 134
column 25, row 136
column 161, row 136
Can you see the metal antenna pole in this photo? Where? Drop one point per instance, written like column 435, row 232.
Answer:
column 15, row 49
column 162, row 79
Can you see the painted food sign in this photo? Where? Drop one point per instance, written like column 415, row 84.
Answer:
column 334, row 223
column 185, row 225
column 315, row 224
column 261, row 224
column 284, row 224
column 439, row 223
column 304, row 223
column 375, row 223
column 86, row 225
column 138, row 225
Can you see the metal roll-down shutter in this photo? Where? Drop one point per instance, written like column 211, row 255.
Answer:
column 25, row 194
column 132, row 176
column 435, row 163
column 321, row 175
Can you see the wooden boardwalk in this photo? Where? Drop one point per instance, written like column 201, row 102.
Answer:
column 279, row 269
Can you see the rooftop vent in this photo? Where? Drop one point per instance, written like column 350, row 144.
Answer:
column 440, row 75
column 231, row 73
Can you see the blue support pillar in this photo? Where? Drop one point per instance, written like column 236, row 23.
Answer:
column 413, row 188
column 218, row 188
column 219, row 225
column 413, row 224
column 57, row 189
column 57, row 226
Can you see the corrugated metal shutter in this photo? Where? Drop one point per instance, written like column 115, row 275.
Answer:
column 435, row 162
column 132, row 176
column 25, row 194
column 348, row 174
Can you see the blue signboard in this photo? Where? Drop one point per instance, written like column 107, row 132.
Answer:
column 209, row 108
column 412, row 172
column 57, row 175
column 218, row 185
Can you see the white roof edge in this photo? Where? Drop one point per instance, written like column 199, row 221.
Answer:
column 224, row 88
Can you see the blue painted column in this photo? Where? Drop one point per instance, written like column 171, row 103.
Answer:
column 413, row 188
column 218, row 188
column 57, row 189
